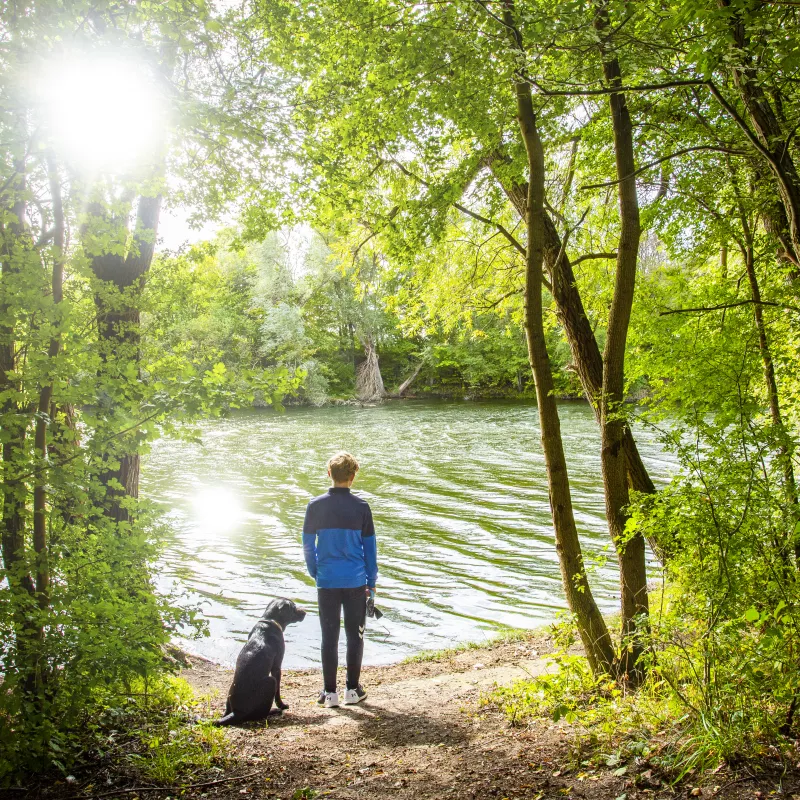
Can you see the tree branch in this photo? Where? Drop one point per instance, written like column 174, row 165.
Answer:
column 499, row 300
column 175, row 789
column 486, row 221
column 722, row 306
column 464, row 210
column 647, row 87
column 715, row 148
column 591, row 256
column 739, row 120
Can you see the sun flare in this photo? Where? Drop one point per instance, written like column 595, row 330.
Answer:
column 102, row 113
column 217, row 510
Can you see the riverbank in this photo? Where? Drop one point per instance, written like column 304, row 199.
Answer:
column 428, row 730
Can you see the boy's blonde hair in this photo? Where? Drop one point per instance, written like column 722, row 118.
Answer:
column 342, row 467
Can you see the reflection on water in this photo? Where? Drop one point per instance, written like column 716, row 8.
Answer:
column 459, row 496
column 216, row 510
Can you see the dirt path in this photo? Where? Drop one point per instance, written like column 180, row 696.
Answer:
column 422, row 733
column 419, row 734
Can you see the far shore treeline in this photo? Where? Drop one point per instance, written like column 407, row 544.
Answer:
column 589, row 199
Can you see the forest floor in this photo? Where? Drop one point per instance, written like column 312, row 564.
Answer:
column 424, row 733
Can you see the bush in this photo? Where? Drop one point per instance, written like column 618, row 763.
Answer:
column 722, row 652
column 102, row 639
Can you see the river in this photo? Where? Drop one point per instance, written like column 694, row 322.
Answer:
column 459, row 497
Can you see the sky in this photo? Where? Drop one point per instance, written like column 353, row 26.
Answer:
column 174, row 230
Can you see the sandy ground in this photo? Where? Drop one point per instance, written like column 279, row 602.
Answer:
column 423, row 733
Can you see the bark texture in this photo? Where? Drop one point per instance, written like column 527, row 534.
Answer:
column 613, row 425
column 591, row 625
column 118, row 328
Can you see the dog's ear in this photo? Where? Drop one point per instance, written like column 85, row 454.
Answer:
column 272, row 609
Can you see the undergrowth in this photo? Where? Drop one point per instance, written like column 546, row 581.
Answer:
column 153, row 733
column 168, row 742
column 658, row 724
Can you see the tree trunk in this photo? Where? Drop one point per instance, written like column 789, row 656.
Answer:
column 577, row 327
column 591, row 626
column 369, row 383
column 784, row 454
column 13, row 539
column 408, row 381
column 613, row 425
column 775, row 142
column 118, row 329
column 45, row 396
column 28, row 632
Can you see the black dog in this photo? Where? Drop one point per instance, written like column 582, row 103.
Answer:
column 257, row 680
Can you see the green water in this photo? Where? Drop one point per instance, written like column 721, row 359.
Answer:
column 459, row 496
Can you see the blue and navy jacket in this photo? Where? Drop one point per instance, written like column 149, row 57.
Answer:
column 339, row 541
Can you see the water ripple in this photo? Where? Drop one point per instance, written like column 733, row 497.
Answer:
column 459, row 496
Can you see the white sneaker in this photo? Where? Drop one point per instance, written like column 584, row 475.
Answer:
column 328, row 699
column 352, row 696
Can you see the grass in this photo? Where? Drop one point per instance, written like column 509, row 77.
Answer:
column 176, row 750
column 503, row 636
column 156, row 735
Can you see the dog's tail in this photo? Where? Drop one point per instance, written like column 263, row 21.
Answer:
column 228, row 719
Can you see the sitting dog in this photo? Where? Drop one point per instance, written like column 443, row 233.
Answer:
column 257, row 679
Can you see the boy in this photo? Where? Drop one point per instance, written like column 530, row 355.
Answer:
column 341, row 555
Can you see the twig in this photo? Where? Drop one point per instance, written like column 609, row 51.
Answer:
column 738, row 780
column 176, row 788
column 464, row 210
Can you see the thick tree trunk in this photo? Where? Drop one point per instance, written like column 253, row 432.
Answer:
column 591, row 625
column 118, row 329
column 613, row 424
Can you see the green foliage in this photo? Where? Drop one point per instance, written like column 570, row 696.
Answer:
column 291, row 302
column 722, row 649
column 153, row 733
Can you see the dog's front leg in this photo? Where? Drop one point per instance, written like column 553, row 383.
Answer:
column 276, row 673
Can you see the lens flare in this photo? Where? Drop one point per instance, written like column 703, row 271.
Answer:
column 102, row 113
column 217, row 510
